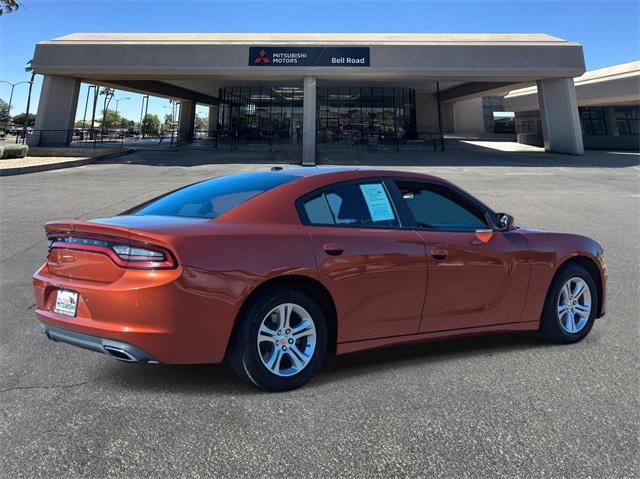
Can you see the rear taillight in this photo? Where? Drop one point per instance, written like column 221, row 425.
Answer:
column 126, row 254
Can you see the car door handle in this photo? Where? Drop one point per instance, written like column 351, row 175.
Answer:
column 439, row 253
column 333, row 249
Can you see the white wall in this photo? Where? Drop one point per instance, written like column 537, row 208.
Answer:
column 468, row 116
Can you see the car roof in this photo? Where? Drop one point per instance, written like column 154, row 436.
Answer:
column 351, row 172
column 277, row 205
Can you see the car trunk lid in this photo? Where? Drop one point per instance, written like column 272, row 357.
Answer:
column 99, row 252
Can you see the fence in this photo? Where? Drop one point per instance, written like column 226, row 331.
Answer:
column 227, row 140
column 253, row 140
column 77, row 138
column 349, row 140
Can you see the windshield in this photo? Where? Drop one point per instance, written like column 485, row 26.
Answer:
column 211, row 198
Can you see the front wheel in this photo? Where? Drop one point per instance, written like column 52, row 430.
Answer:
column 280, row 340
column 570, row 307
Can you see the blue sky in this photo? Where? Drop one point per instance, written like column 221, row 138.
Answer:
column 608, row 30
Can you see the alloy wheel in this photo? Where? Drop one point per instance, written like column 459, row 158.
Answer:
column 574, row 305
column 286, row 339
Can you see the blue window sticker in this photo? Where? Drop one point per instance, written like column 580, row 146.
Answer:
column 377, row 202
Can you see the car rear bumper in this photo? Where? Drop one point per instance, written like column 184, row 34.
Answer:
column 168, row 315
column 116, row 349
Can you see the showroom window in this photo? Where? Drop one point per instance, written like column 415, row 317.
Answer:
column 353, row 116
column 261, row 114
column 528, row 126
column 628, row 120
column 592, row 120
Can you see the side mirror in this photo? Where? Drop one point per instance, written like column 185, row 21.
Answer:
column 504, row 221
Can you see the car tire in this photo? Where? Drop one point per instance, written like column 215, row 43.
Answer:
column 564, row 316
column 273, row 353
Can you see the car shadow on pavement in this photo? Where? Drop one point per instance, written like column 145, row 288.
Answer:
column 219, row 379
column 425, row 354
column 192, row 379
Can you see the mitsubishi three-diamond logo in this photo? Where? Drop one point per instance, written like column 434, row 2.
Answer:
column 262, row 58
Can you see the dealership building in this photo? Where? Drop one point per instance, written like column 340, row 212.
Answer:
column 317, row 89
column 608, row 106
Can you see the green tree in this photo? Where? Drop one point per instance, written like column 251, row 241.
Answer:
column 150, row 124
column 4, row 111
column 202, row 123
column 114, row 120
column 20, row 119
column 168, row 122
column 8, row 6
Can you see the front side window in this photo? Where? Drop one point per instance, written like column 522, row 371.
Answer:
column 364, row 205
column 592, row 119
column 437, row 207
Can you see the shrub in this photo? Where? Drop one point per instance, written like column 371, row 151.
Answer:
column 14, row 151
column 1, row 151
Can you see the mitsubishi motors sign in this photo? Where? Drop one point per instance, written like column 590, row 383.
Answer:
column 309, row 56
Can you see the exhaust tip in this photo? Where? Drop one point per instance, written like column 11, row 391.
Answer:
column 120, row 354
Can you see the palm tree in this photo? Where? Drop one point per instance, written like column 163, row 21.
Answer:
column 8, row 6
column 29, row 69
column 108, row 95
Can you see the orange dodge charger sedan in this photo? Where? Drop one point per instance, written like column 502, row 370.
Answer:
column 273, row 269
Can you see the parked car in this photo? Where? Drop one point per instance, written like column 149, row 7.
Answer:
column 21, row 132
column 273, row 269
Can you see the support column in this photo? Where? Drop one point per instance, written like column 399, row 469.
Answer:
column 186, row 121
column 309, row 122
column 56, row 111
column 213, row 121
column 559, row 116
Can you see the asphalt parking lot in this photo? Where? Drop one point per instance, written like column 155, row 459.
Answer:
column 496, row 406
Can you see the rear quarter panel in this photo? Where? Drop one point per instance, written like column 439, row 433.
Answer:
column 222, row 269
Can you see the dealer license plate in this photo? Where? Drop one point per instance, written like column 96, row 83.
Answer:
column 66, row 302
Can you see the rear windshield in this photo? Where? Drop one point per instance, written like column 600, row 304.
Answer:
column 211, row 198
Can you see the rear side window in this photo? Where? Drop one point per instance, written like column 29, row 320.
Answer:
column 437, row 207
column 212, row 198
column 363, row 205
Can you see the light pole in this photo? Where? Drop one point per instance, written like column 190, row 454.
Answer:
column 118, row 100
column 86, row 104
column 174, row 111
column 13, row 85
column 145, row 100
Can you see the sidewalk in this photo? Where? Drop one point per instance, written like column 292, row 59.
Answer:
column 59, row 159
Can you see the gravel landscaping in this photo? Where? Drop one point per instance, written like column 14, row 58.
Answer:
column 38, row 161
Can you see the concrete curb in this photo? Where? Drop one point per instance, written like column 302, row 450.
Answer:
column 60, row 166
